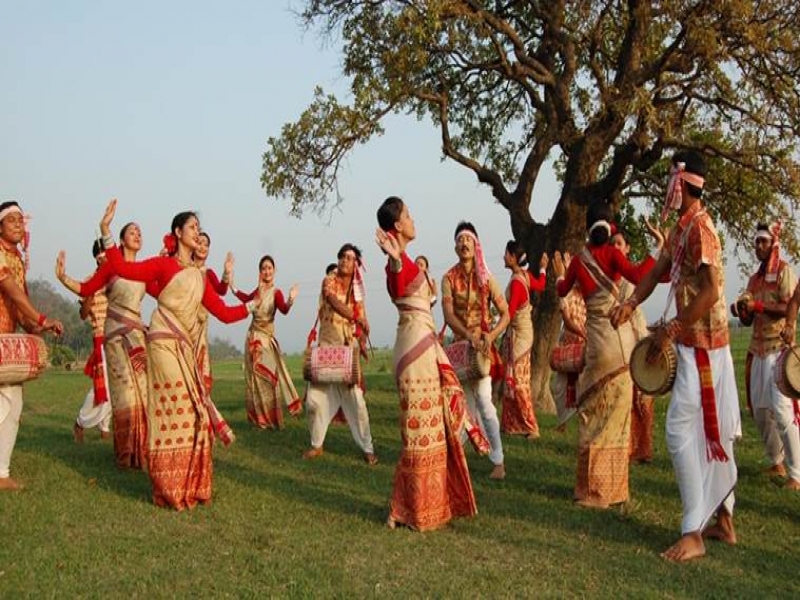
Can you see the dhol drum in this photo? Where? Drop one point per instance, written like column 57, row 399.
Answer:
column 22, row 357
column 468, row 363
column 332, row 364
column 745, row 316
column 787, row 372
column 654, row 378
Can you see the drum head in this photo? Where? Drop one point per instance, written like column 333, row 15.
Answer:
column 651, row 378
column 792, row 370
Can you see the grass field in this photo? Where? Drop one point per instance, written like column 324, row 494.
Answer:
column 281, row 526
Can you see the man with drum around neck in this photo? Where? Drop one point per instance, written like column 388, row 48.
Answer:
column 342, row 321
column 15, row 310
column 468, row 288
column 703, row 414
column 768, row 293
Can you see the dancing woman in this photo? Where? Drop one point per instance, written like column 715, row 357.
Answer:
column 265, row 372
column 221, row 288
column 431, row 481
column 124, row 346
column 519, row 417
column 604, row 389
column 180, row 413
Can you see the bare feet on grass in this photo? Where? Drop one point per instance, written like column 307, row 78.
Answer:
column 77, row 433
column 690, row 546
column 313, row 453
column 722, row 530
column 793, row 485
column 11, row 485
column 776, row 470
column 498, row 473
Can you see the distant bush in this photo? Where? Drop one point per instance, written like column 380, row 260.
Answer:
column 61, row 355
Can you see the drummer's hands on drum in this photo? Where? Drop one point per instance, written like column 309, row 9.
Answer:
column 52, row 325
column 476, row 339
column 788, row 334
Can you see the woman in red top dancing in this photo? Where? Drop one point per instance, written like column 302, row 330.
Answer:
column 181, row 417
column 431, row 481
column 518, row 414
column 604, row 389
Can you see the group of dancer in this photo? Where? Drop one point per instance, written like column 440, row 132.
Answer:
column 154, row 381
column 601, row 309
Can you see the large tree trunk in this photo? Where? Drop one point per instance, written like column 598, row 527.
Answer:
column 565, row 232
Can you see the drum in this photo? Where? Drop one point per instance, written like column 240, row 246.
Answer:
column 22, row 357
column 467, row 362
column 654, row 378
column 745, row 316
column 787, row 372
column 568, row 358
column 332, row 364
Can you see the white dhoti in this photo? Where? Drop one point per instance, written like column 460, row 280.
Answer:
column 704, row 484
column 323, row 402
column 94, row 416
column 10, row 411
column 774, row 415
column 479, row 401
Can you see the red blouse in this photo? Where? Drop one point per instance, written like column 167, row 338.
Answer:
column 221, row 287
column 611, row 261
column 396, row 282
column 103, row 276
column 160, row 270
column 519, row 295
column 280, row 301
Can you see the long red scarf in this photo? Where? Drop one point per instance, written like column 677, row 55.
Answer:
column 708, row 400
column 96, row 369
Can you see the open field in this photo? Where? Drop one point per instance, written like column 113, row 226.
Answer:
column 281, row 526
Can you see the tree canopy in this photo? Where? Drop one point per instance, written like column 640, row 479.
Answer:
column 606, row 90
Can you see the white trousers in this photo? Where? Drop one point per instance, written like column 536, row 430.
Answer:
column 774, row 415
column 322, row 403
column 479, row 401
column 10, row 410
column 704, row 485
column 94, row 416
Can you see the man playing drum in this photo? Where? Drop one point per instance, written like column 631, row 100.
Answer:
column 768, row 292
column 15, row 310
column 468, row 289
column 342, row 321
column 703, row 415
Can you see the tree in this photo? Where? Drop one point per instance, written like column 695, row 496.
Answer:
column 219, row 349
column 605, row 89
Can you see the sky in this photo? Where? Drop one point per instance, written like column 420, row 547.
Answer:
column 168, row 107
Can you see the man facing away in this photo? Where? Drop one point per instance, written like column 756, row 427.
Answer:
column 703, row 415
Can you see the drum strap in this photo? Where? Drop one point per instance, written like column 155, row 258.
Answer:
column 679, row 250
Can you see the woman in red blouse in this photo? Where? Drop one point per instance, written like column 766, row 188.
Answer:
column 604, row 389
column 265, row 373
column 518, row 414
column 200, row 256
column 431, row 481
column 124, row 345
column 181, row 418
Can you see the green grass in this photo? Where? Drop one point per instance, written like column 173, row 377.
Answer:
column 280, row 526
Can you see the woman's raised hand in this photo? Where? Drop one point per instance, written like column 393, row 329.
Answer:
column 388, row 244
column 108, row 216
column 61, row 261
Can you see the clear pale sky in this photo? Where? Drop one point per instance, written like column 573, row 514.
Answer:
column 167, row 106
